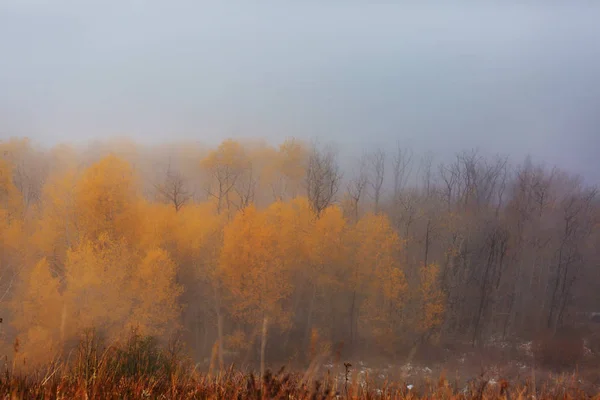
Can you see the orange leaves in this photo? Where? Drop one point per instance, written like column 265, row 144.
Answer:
column 253, row 266
column 97, row 274
column 261, row 250
column 376, row 255
column 56, row 229
column 287, row 169
column 11, row 202
column 106, row 199
column 328, row 248
column 109, row 284
column 12, row 230
column 104, row 245
column 197, row 239
column 293, row 159
column 378, row 276
column 113, row 259
column 154, row 307
column 37, row 313
column 229, row 155
column 431, row 298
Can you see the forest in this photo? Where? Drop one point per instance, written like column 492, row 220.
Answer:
column 256, row 253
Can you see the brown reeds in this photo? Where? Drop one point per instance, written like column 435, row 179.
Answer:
column 141, row 368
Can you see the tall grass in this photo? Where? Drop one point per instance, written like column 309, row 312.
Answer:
column 141, row 368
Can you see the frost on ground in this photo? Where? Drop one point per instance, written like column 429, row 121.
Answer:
column 498, row 363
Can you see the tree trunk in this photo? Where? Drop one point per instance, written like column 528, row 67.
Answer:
column 220, row 333
column 263, row 345
column 352, row 323
column 63, row 323
column 309, row 318
column 427, row 243
column 219, row 328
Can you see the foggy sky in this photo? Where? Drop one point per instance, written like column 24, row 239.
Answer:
column 512, row 79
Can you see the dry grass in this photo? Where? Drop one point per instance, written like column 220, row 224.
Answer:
column 141, row 369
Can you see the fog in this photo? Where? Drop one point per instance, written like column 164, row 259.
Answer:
column 513, row 79
column 412, row 188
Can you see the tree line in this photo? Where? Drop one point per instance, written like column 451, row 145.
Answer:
column 252, row 251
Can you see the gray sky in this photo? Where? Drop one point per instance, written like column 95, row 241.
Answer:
column 512, row 79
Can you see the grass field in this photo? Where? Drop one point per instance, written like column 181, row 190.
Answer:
column 141, row 369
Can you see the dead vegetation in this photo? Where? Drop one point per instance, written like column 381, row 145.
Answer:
column 141, row 368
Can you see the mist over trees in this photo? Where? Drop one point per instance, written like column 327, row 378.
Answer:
column 252, row 252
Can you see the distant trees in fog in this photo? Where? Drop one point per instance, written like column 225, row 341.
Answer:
column 269, row 251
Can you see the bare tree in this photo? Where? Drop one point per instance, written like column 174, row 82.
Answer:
column 449, row 175
column 377, row 161
column 357, row 185
column 402, row 165
column 323, row 178
column 173, row 189
column 576, row 209
column 425, row 172
column 225, row 166
column 245, row 187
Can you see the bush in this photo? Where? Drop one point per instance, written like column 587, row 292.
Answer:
column 138, row 356
column 563, row 350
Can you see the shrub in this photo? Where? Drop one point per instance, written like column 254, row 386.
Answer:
column 140, row 355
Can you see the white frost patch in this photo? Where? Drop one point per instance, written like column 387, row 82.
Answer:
column 407, row 367
column 586, row 348
column 527, row 348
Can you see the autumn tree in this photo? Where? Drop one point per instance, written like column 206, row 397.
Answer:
column 466, row 251
column 378, row 278
column 39, row 314
column 428, row 315
column 108, row 279
column 323, row 273
column 225, row 166
column 255, row 268
column 29, row 168
column 106, row 200
column 288, row 169
column 12, row 235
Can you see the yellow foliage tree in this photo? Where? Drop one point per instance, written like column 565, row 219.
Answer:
column 11, row 202
column 325, row 269
column 154, row 303
column 112, row 288
column 253, row 266
column 106, row 200
column 378, row 277
column 104, row 244
column 101, row 255
column 13, row 249
column 56, row 228
column 37, row 315
column 225, row 167
column 287, row 169
column 431, row 299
